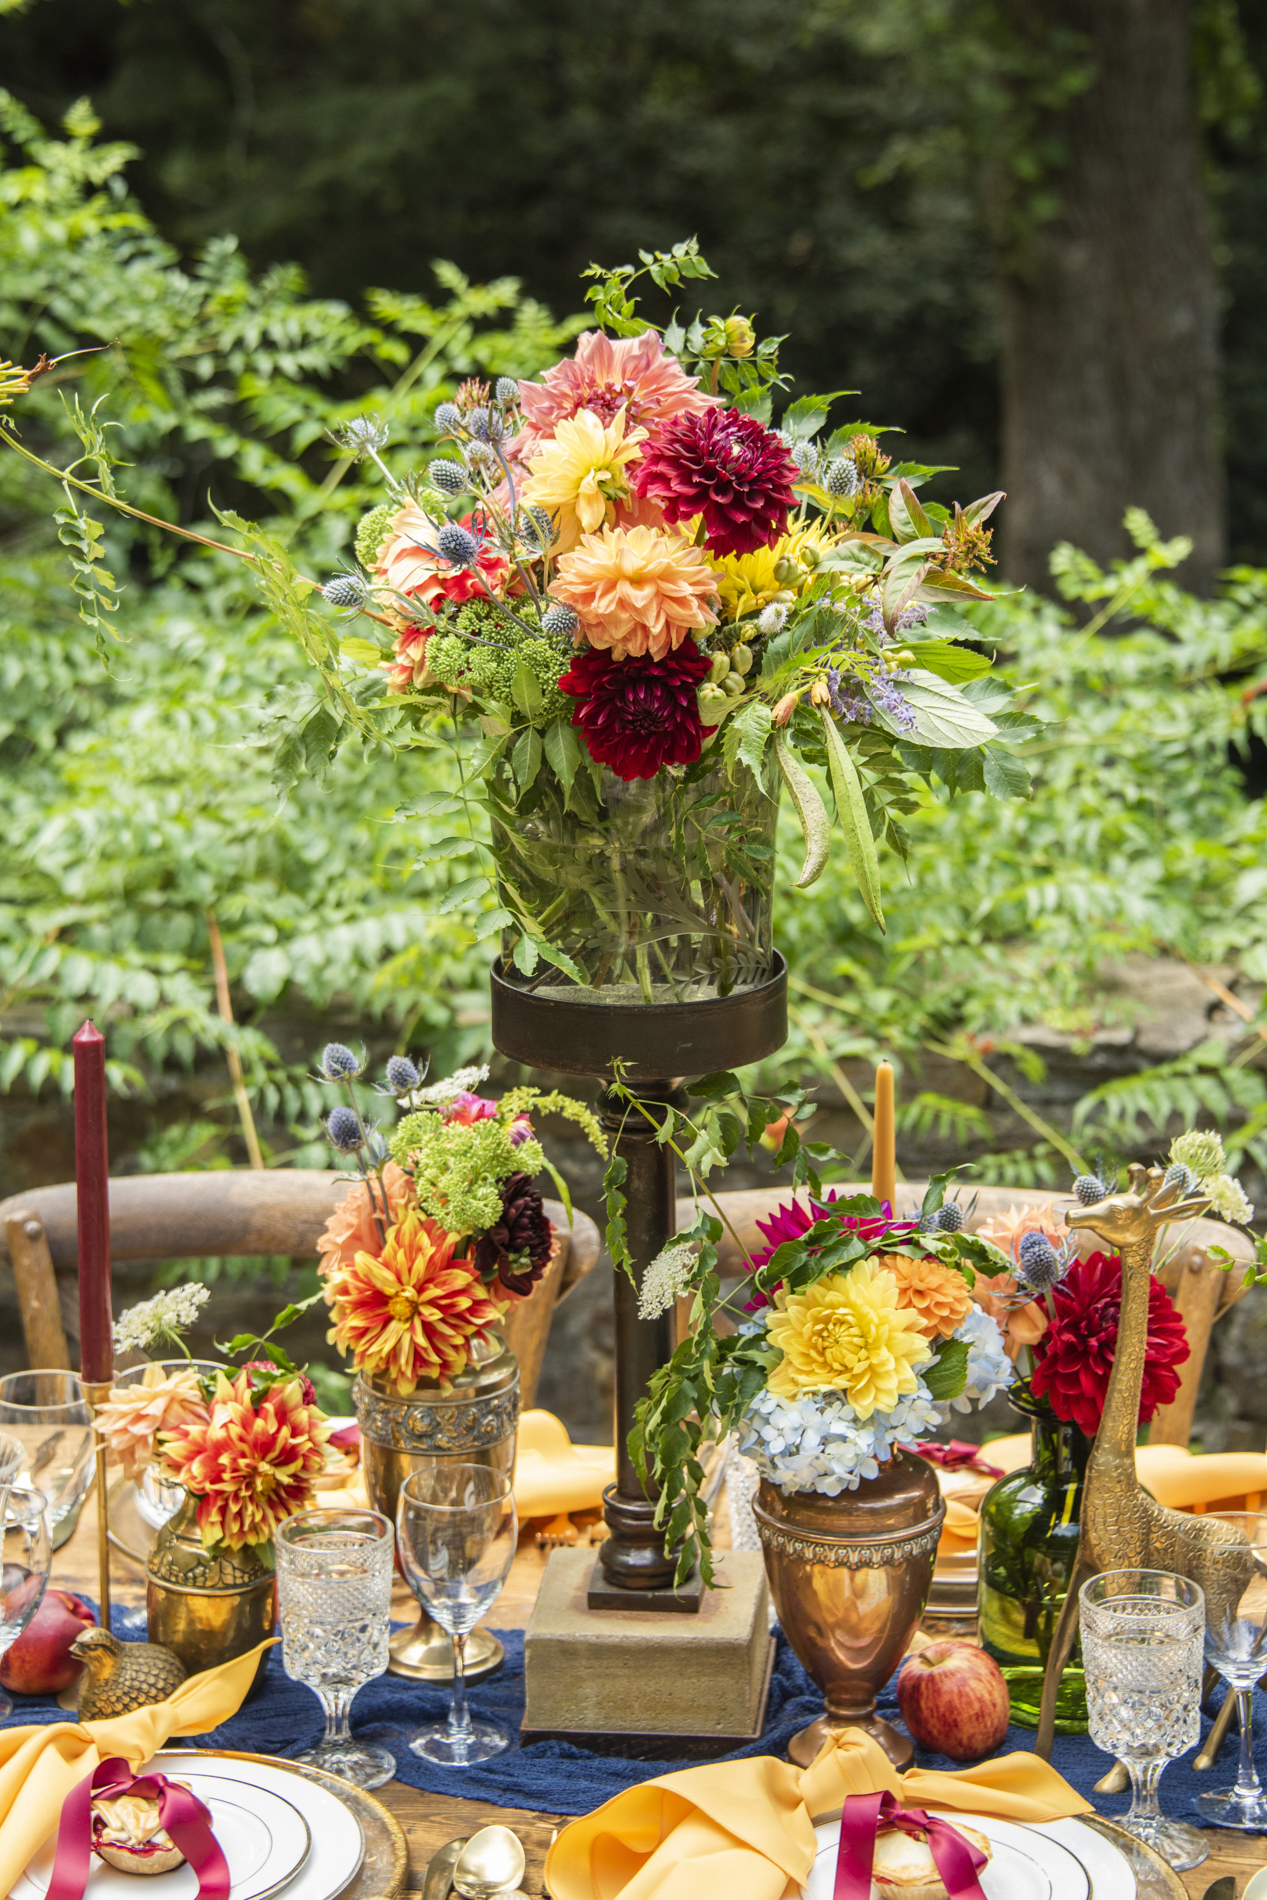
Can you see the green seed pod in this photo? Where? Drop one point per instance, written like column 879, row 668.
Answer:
column 741, row 660
column 732, row 685
column 786, row 572
column 719, row 669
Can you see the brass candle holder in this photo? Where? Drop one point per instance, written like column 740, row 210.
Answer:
column 98, row 1391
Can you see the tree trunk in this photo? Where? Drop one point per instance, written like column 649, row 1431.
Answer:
column 1110, row 312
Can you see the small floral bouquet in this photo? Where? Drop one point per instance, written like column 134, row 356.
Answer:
column 858, row 1333
column 247, row 1442
column 1060, row 1311
column 442, row 1231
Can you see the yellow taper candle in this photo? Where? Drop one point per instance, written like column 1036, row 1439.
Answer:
column 884, row 1146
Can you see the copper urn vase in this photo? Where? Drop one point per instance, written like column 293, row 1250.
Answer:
column 850, row 1576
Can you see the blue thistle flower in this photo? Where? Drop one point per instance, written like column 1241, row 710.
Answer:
column 560, row 619
column 950, row 1218
column 449, row 477
column 1039, row 1264
column 456, row 546
column 401, row 1074
column 479, row 423
column 1089, row 1189
column 343, row 1127
column 346, row 590
column 841, row 477
column 507, row 389
column 447, row 417
column 338, row 1064
column 1177, row 1175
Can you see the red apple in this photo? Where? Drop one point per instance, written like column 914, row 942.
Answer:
column 40, row 1662
column 953, row 1699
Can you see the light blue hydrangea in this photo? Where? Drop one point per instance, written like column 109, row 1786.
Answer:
column 989, row 1369
column 818, row 1443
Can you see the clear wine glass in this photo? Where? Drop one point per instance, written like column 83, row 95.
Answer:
column 1142, row 1634
column 28, row 1551
column 49, row 1413
column 457, row 1533
column 334, row 1587
column 1236, row 1645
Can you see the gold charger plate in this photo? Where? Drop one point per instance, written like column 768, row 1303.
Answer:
column 1155, row 1879
column 382, row 1872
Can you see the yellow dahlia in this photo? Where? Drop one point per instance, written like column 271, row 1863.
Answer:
column 252, row 1463
column 579, row 475
column 637, row 591
column 747, row 583
column 934, row 1296
column 409, row 1312
column 846, row 1333
column 134, row 1415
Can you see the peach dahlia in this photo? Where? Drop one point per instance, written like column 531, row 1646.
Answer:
column 637, row 592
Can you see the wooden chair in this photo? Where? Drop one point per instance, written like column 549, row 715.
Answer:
column 1201, row 1290
column 227, row 1212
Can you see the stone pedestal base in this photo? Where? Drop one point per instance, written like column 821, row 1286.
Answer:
column 639, row 1682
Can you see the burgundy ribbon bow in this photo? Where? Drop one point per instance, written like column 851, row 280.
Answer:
column 958, row 1455
column 957, row 1860
column 181, row 1813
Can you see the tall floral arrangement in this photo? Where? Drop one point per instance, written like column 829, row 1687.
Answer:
column 627, row 573
column 441, row 1231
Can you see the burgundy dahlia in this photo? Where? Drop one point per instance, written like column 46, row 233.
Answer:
column 726, row 467
column 1075, row 1355
column 517, row 1246
column 639, row 714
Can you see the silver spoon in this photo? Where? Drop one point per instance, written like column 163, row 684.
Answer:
column 438, row 1880
column 491, row 1863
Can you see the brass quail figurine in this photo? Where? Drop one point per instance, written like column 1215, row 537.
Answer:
column 119, row 1677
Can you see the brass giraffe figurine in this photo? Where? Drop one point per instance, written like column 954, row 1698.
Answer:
column 1122, row 1526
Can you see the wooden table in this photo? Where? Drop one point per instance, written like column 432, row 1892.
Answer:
column 430, row 1820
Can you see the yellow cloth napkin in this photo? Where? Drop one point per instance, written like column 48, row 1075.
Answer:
column 40, row 1765
column 552, row 1474
column 746, row 1828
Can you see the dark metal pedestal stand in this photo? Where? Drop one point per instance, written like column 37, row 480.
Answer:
column 583, row 1035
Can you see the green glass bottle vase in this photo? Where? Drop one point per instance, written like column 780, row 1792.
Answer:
column 1029, row 1540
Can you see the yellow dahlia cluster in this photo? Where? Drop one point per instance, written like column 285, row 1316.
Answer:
column 848, row 1333
column 409, row 1312
column 251, row 1462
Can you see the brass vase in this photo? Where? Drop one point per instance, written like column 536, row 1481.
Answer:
column 474, row 1422
column 850, row 1576
column 206, row 1609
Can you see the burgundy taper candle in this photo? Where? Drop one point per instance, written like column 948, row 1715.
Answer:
column 96, row 1340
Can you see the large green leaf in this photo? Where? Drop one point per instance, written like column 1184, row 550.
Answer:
column 944, row 717
column 953, row 663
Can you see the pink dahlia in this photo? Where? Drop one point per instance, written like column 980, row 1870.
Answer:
column 638, row 715
column 467, row 1109
column 605, row 375
column 725, row 467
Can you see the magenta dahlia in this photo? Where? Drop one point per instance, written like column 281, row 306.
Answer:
column 726, row 467
column 791, row 1220
column 639, row 714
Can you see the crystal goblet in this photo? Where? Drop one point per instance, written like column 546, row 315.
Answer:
column 457, row 1532
column 1142, row 1634
column 334, row 1588
column 28, row 1551
column 1236, row 1645
column 49, row 1413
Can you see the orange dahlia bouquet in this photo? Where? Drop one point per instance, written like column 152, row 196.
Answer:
column 442, row 1229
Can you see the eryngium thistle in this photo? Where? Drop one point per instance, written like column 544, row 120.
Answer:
column 449, row 477
column 1177, row 1175
column 538, row 526
column 1038, row 1260
column 483, row 424
column 841, row 477
column 343, row 1126
column 346, row 590
column 362, row 436
column 447, row 417
column 950, row 1218
column 401, row 1074
column 1089, row 1189
column 560, row 619
column 457, row 546
column 337, row 1062
column 507, row 389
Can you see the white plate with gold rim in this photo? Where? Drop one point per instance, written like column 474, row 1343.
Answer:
column 332, row 1823
column 263, row 1836
column 1027, row 1863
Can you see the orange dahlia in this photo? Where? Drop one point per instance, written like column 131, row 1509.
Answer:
column 637, row 592
column 934, row 1295
column 252, row 1463
column 409, row 1311
column 351, row 1230
column 605, row 375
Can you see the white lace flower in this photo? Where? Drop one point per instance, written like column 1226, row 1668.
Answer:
column 1228, row 1199
column 444, row 1094
column 1201, row 1150
column 989, row 1368
column 164, row 1317
column 665, row 1280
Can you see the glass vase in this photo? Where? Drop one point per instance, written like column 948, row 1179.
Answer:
column 659, row 890
column 1029, row 1540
